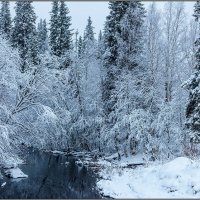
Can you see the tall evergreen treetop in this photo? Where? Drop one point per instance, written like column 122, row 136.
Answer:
column 24, row 22
column 24, row 35
column 60, row 38
column 54, row 28
column 100, row 37
column 112, row 29
column 131, row 37
column 193, row 84
column 89, row 31
column 65, row 34
column 88, row 38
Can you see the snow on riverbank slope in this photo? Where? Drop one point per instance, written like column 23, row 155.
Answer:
column 179, row 178
column 15, row 173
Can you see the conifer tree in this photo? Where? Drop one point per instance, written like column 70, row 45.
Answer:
column 54, row 28
column 32, row 54
column 89, row 32
column 111, row 33
column 117, row 11
column 88, row 37
column 42, row 36
column 80, row 46
column 131, row 91
column 5, row 19
column 124, row 70
column 76, row 42
column 24, row 35
column 101, row 46
column 65, row 34
column 60, row 34
column 193, row 85
column 131, row 38
column 100, row 37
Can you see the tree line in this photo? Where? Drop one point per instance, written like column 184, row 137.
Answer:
column 124, row 92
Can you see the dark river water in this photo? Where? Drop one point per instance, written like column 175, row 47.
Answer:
column 50, row 177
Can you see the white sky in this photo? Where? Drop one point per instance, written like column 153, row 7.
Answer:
column 80, row 11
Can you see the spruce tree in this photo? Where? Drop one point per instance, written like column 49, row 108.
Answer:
column 89, row 31
column 32, row 54
column 80, row 46
column 42, row 36
column 131, row 91
column 131, row 37
column 5, row 19
column 117, row 11
column 24, row 35
column 54, row 28
column 123, row 59
column 88, row 37
column 112, row 31
column 76, row 42
column 64, row 40
column 100, row 37
column 101, row 46
column 193, row 84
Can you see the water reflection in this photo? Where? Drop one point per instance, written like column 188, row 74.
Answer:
column 49, row 177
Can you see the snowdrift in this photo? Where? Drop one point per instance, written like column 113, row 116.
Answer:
column 178, row 178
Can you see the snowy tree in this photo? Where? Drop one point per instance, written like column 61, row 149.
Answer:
column 101, row 45
column 153, row 59
column 85, row 91
column 60, row 39
column 88, row 38
column 88, row 33
column 64, row 40
column 24, row 35
column 100, row 36
column 85, row 88
column 42, row 36
column 76, row 42
column 193, row 85
column 10, row 78
column 174, row 28
column 131, row 37
column 54, row 28
column 5, row 19
column 153, row 54
column 111, row 31
column 130, row 89
column 80, row 46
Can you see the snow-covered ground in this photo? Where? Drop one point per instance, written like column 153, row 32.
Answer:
column 15, row 173
column 179, row 178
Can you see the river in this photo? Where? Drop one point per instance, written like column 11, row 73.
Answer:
column 50, row 177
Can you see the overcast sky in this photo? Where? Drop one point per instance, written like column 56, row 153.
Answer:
column 81, row 10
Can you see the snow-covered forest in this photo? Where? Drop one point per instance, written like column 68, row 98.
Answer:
column 132, row 89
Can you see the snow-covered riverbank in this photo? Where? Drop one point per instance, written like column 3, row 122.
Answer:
column 178, row 178
column 132, row 178
column 15, row 173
